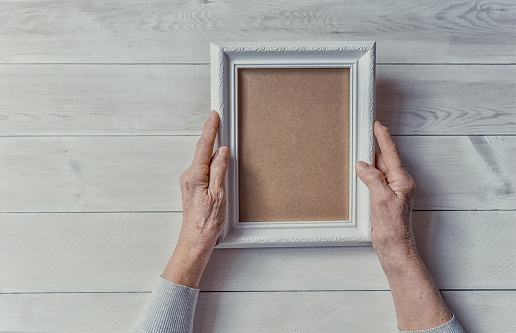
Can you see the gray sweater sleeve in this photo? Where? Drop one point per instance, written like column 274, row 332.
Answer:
column 170, row 309
column 452, row 326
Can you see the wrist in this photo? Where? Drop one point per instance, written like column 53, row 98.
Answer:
column 396, row 247
column 417, row 300
column 187, row 264
column 399, row 259
column 195, row 239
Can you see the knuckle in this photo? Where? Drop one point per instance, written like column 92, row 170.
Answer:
column 408, row 182
column 405, row 194
column 187, row 183
column 411, row 183
column 187, row 180
column 220, row 195
column 182, row 178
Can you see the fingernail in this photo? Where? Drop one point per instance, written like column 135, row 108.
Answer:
column 377, row 121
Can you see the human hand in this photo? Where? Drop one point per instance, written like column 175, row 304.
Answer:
column 392, row 197
column 204, row 208
column 203, row 190
column 417, row 300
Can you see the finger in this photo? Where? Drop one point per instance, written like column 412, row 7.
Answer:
column 390, row 153
column 380, row 163
column 218, row 167
column 373, row 179
column 204, row 148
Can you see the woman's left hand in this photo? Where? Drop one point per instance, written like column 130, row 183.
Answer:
column 204, row 208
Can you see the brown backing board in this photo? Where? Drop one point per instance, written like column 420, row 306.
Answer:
column 293, row 144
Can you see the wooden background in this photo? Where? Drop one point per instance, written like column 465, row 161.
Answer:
column 101, row 103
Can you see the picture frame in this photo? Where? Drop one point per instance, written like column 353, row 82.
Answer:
column 228, row 61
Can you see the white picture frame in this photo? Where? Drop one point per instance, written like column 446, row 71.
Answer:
column 226, row 59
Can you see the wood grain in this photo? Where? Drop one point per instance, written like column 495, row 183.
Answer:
column 85, row 252
column 158, row 31
column 103, row 100
column 119, row 252
column 470, row 173
column 141, row 68
column 325, row 311
column 94, row 174
column 78, row 174
column 174, row 99
column 447, row 100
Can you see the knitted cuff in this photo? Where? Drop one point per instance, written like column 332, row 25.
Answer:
column 452, row 326
column 171, row 308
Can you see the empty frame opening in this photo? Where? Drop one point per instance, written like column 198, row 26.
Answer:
column 293, row 144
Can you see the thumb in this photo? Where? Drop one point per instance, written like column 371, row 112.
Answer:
column 218, row 167
column 373, row 179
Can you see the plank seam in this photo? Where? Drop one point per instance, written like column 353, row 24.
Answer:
column 451, row 135
column 180, row 211
column 207, row 63
column 98, row 212
column 244, row 291
column 198, row 135
column 95, row 135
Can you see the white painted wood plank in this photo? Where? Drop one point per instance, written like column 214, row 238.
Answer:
column 296, row 312
column 85, row 252
column 177, row 31
column 174, row 99
column 103, row 100
column 54, row 174
column 447, row 100
column 470, row 173
column 483, row 311
column 70, row 312
column 342, row 311
column 126, row 252
column 94, row 173
column 468, row 249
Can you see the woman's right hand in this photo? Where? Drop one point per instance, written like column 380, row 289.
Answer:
column 418, row 303
column 392, row 197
